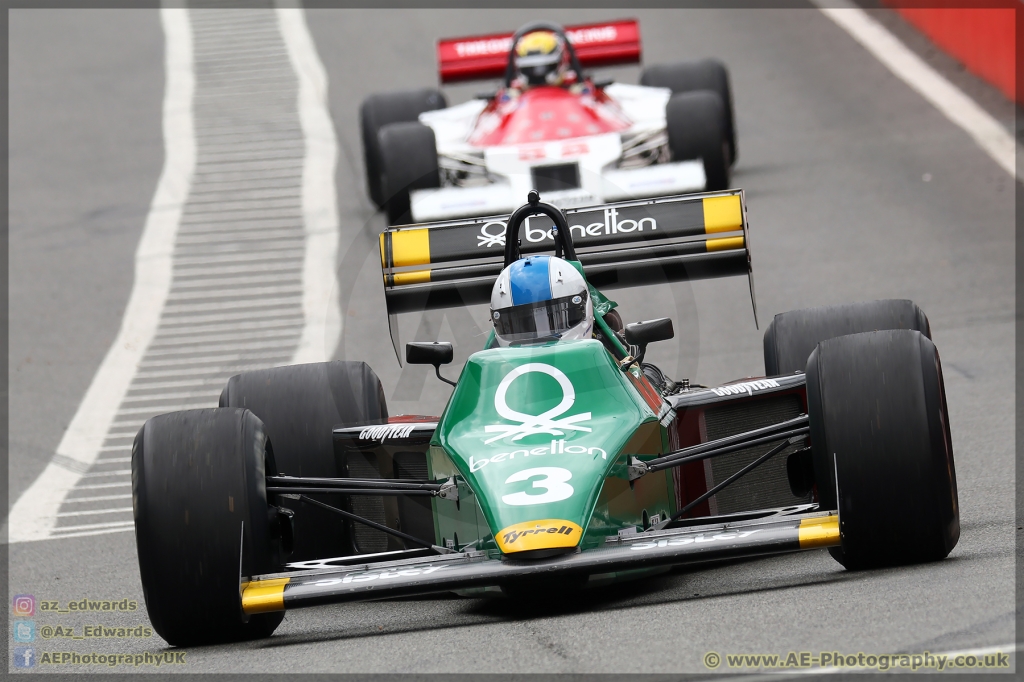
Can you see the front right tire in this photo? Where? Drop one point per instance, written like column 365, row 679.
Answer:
column 880, row 439
column 708, row 75
column 695, row 131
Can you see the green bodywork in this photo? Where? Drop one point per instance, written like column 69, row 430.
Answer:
column 545, row 432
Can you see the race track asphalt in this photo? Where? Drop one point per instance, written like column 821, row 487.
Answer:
column 857, row 189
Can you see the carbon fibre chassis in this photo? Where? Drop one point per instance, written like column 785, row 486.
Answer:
column 783, row 531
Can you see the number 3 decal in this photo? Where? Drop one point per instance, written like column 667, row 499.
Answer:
column 554, row 486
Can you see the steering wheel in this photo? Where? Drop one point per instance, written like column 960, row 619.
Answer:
column 574, row 62
column 563, row 237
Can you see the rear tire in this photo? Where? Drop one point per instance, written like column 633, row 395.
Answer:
column 385, row 108
column 706, row 74
column 879, row 425
column 408, row 155
column 695, row 130
column 791, row 336
column 201, row 520
column 299, row 406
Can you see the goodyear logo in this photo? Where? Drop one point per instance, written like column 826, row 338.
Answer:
column 545, row 534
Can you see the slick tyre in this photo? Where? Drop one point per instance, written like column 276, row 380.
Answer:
column 385, row 108
column 408, row 155
column 696, row 131
column 202, row 523
column 299, row 406
column 880, row 438
column 791, row 336
column 706, row 74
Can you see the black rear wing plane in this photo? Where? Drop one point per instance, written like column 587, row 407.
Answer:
column 625, row 244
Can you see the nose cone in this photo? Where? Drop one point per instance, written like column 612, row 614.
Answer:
column 535, row 431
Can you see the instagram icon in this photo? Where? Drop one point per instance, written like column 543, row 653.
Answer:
column 24, row 605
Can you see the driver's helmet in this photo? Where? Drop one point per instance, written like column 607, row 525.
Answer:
column 539, row 57
column 540, row 298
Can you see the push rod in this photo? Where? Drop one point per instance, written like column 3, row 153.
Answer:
column 658, row 465
column 351, row 491
column 369, row 483
column 721, row 446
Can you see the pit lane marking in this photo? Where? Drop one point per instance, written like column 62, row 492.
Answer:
column 219, row 191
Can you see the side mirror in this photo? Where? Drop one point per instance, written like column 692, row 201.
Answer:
column 644, row 333
column 640, row 334
column 426, row 353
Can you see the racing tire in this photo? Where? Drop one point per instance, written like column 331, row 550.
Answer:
column 299, row 406
column 791, row 336
column 382, row 109
column 695, row 130
column 408, row 155
column 202, row 523
column 880, row 438
column 706, row 74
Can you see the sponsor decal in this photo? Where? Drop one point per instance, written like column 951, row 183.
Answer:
column 384, row 431
column 596, row 34
column 478, row 48
column 693, row 539
column 492, row 46
column 544, row 534
column 746, row 387
column 546, row 422
column 557, row 447
column 492, row 233
column 378, row 575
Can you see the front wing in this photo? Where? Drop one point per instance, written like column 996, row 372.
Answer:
column 402, row 578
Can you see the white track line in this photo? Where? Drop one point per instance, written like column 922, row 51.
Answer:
column 87, row 526
column 94, row 512
column 946, row 97
column 34, row 515
column 96, row 498
column 320, row 302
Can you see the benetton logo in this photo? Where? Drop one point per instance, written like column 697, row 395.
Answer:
column 492, row 233
column 546, row 422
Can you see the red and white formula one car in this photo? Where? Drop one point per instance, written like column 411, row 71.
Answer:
column 549, row 127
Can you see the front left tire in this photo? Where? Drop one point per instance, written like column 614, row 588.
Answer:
column 202, row 523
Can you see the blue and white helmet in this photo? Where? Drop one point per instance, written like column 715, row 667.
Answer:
column 539, row 298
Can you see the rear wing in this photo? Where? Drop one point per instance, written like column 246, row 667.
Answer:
column 626, row 244
column 477, row 58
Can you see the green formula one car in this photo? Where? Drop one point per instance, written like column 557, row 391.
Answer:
column 558, row 463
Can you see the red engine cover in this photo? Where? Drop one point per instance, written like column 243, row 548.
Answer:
column 546, row 113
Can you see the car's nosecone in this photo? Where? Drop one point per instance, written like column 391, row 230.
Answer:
column 536, row 430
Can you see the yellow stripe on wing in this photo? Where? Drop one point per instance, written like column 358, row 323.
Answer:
column 723, row 214
column 724, row 243
column 410, row 247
